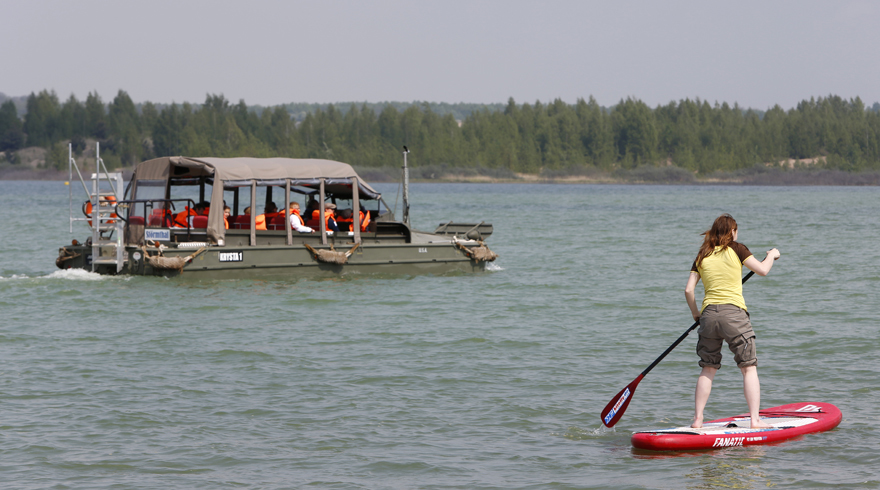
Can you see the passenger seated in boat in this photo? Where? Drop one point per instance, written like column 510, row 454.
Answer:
column 310, row 207
column 243, row 221
column 344, row 219
column 272, row 211
column 296, row 221
column 260, row 222
column 201, row 209
column 226, row 213
column 182, row 218
column 329, row 220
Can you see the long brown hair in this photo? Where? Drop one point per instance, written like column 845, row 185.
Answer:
column 720, row 235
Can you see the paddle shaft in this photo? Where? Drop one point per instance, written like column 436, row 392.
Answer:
column 685, row 334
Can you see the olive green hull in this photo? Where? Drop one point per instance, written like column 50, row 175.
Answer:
column 279, row 262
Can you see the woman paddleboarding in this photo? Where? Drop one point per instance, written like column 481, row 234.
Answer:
column 723, row 316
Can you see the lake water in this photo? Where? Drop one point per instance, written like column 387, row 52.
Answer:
column 476, row 381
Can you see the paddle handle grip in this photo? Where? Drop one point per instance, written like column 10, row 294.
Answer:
column 685, row 334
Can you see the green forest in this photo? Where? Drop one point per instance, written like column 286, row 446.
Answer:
column 556, row 138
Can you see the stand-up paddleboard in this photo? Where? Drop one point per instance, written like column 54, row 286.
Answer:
column 788, row 421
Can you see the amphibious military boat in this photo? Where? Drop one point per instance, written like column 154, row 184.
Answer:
column 138, row 230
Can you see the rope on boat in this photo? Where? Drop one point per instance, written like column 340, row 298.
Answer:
column 63, row 256
column 159, row 261
column 331, row 256
column 480, row 253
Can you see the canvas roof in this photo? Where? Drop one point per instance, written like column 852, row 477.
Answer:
column 304, row 172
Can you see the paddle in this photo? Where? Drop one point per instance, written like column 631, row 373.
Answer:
column 615, row 408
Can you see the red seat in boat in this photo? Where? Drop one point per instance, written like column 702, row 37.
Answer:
column 242, row 222
column 277, row 223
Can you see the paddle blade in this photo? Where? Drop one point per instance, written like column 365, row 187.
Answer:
column 615, row 408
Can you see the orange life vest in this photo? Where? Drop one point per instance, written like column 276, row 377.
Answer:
column 365, row 220
column 181, row 219
column 328, row 215
column 260, row 222
column 88, row 208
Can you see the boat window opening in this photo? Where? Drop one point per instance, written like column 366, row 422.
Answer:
column 186, row 191
column 230, row 199
column 141, row 209
column 245, row 197
column 263, row 199
column 147, row 189
column 205, row 193
column 270, row 198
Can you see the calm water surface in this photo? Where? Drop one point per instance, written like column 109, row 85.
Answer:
column 491, row 380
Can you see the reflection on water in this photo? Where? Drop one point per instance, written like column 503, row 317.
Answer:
column 733, row 468
column 726, row 468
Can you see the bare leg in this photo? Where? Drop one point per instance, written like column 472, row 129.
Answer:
column 701, row 394
column 752, row 390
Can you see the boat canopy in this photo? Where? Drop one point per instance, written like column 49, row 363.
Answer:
column 225, row 173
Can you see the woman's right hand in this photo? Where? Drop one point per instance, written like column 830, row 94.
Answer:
column 773, row 253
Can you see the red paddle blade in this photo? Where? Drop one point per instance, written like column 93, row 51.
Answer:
column 615, row 408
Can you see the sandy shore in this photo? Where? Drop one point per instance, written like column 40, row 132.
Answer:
column 804, row 177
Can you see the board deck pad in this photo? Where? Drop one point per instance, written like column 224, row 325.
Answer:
column 788, row 421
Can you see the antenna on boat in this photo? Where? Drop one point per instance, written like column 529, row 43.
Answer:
column 405, row 188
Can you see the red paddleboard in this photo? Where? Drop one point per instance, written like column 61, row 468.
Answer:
column 788, row 421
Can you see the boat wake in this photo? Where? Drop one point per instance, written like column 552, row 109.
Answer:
column 493, row 267
column 14, row 276
column 69, row 274
column 80, row 275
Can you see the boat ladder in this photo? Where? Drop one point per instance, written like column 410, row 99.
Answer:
column 105, row 191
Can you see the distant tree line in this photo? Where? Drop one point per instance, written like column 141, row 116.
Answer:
column 553, row 137
column 459, row 110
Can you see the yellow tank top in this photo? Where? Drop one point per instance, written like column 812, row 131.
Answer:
column 721, row 273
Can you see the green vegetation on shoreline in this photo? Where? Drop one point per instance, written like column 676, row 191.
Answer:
column 826, row 140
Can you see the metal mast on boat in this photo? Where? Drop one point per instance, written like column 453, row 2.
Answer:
column 405, row 188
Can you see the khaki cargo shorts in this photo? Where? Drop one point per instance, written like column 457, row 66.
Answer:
column 726, row 323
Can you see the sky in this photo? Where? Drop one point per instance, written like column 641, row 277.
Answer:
column 754, row 53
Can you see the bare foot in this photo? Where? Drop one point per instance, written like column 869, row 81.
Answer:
column 697, row 423
column 760, row 425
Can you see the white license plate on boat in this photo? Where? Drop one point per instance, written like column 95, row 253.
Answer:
column 231, row 256
column 157, row 235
